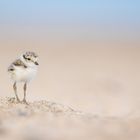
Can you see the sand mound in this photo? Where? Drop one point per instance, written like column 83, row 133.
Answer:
column 44, row 120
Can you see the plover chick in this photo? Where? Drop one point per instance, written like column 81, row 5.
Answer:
column 23, row 69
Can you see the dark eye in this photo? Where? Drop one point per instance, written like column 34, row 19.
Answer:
column 28, row 58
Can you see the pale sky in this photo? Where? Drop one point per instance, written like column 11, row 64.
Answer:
column 118, row 17
column 19, row 11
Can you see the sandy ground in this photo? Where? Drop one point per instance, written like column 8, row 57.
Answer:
column 102, row 82
column 45, row 120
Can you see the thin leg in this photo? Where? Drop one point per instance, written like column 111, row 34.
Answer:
column 15, row 90
column 25, row 89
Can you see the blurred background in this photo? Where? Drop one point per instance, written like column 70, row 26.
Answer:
column 89, row 51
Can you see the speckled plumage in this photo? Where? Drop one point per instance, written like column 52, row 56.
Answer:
column 23, row 69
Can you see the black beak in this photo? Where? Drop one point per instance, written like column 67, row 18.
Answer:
column 36, row 63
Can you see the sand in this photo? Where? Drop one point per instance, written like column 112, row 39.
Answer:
column 46, row 120
column 100, row 86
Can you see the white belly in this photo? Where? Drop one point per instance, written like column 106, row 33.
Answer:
column 23, row 74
